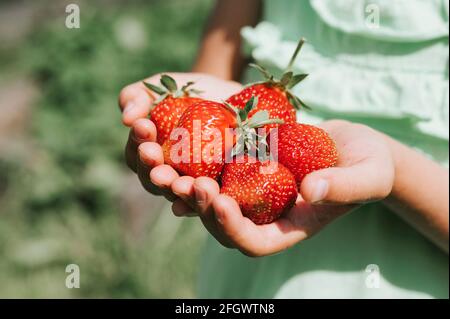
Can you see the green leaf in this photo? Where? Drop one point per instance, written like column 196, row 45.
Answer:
column 295, row 102
column 303, row 104
column 263, row 71
column 238, row 148
column 262, row 118
column 178, row 94
column 251, row 104
column 298, row 104
column 286, row 78
column 185, row 88
column 169, row 83
column 296, row 79
column 195, row 91
column 242, row 115
column 160, row 99
column 258, row 117
column 268, row 121
column 187, row 85
column 232, row 108
column 155, row 88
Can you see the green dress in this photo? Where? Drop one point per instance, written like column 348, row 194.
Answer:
column 390, row 72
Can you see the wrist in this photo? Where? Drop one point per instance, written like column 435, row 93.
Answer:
column 397, row 151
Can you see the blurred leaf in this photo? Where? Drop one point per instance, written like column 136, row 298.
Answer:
column 65, row 205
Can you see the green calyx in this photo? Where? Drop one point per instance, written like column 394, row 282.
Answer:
column 247, row 133
column 288, row 80
column 169, row 87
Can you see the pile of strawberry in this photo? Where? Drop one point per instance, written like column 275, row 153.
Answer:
column 263, row 187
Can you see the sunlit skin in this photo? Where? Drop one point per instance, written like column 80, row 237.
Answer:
column 367, row 170
column 371, row 165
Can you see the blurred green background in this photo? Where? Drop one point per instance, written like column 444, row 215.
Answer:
column 66, row 195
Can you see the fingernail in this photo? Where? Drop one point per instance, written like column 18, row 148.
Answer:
column 320, row 191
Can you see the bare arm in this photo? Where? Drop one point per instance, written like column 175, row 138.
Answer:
column 420, row 193
column 220, row 49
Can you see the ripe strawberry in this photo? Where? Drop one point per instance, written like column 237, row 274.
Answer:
column 197, row 126
column 170, row 106
column 304, row 148
column 212, row 116
column 274, row 95
column 262, row 196
column 271, row 98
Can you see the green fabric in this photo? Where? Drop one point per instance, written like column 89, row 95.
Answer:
column 393, row 78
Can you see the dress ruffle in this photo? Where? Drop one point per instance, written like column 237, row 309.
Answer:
column 387, row 20
column 412, row 86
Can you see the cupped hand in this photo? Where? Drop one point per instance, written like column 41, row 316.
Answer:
column 364, row 172
column 143, row 155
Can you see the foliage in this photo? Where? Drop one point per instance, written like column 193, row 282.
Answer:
column 60, row 202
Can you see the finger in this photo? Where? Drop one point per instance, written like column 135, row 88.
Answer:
column 260, row 240
column 183, row 187
column 251, row 239
column 135, row 102
column 143, row 130
column 163, row 176
column 143, row 172
column 359, row 183
column 206, row 189
column 240, row 231
column 181, row 209
column 150, row 155
column 304, row 220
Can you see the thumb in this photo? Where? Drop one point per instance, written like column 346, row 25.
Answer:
column 365, row 181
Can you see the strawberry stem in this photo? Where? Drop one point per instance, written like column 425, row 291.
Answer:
column 294, row 56
column 169, row 87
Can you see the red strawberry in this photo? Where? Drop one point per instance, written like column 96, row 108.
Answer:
column 212, row 116
column 262, row 196
column 201, row 157
column 304, row 148
column 170, row 106
column 270, row 98
column 274, row 95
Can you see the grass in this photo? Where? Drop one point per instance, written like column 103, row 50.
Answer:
column 60, row 204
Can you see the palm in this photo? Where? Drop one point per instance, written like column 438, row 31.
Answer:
column 364, row 172
column 361, row 152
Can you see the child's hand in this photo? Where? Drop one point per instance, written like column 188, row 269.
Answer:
column 142, row 153
column 365, row 172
